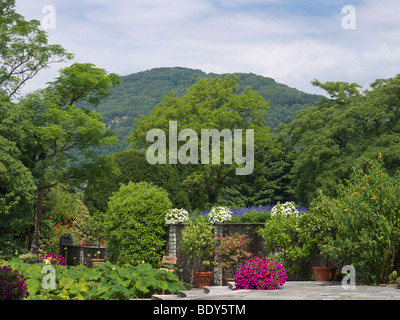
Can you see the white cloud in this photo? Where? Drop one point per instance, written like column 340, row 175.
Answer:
column 267, row 37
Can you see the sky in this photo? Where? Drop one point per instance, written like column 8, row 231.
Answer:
column 291, row 41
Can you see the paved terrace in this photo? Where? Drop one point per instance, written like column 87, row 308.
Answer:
column 292, row 290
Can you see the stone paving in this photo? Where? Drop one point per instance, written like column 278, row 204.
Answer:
column 292, row 290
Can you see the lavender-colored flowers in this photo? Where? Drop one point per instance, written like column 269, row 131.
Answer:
column 12, row 285
column 261, row 274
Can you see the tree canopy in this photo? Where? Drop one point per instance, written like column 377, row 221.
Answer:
column 350, row 128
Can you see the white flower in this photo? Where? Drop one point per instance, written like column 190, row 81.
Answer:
column 287, row 208
column 175, row 216
column 219, row 215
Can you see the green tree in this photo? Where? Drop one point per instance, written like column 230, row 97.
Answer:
column 367, row 217
column 212, row 104
column 56, row 129
column 132, row 166
column 17, row 186
column 24, row 49
column 134, row 224
column 326, row 141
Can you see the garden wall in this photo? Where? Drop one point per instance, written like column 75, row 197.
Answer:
column 185, row 266
column 76, row 254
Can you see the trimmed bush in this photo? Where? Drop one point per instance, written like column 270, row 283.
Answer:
column 134, row 224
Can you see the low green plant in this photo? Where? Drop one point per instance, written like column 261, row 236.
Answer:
column 105, row 282
column 29, row 257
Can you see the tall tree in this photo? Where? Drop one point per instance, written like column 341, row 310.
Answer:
column 207, row 105
column 58, row 130
column 17, row 187
column 24, row 49
column 350, row 128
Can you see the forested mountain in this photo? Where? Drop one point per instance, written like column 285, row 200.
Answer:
column 140, row 92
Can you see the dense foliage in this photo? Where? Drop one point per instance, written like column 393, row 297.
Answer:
column 140, row 92
column 134, row 224
column 59, row 178
column 105, row 282
column 199, row 243
column 367, row 218
column 296, row 240
column 326, row 141
column 232, row 252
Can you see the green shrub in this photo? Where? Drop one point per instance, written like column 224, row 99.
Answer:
column 367, row 215
column 105, row 282
column 297, row 241
column 199, row 242
column 134, row 224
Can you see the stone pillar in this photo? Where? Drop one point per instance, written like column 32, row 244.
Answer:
column 172, row 240
column 217, row 267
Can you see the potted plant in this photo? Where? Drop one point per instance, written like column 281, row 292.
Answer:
column 232, row 253
column 198, row 244
column 317, row 228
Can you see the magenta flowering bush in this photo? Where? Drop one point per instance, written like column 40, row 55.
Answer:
column 12, row 285
column 261, row 274
column 52, row 258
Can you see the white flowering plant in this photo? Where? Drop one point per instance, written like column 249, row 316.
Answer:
column 175, row 216
column 219, row 215
column 287, row 208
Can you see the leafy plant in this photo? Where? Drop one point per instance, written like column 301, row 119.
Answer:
column 134, row 224
column 260, row 273
column 298, row 240
column 199, row 242
column 105, row 282
column 29, row 257
column 231, row 253
column 367, row 218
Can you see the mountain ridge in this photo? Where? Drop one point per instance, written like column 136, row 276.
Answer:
column 140, row 92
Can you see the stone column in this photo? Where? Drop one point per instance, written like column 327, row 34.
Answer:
column 172, row 240
column 217, row 267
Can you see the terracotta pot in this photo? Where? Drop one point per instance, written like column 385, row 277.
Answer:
column 202, row 278
column 227, row 280
column 324, row 273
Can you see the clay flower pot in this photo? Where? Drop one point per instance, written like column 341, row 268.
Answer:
column 202, row 278
column 324, row 273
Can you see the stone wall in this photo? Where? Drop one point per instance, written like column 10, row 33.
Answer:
column 185, row 266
